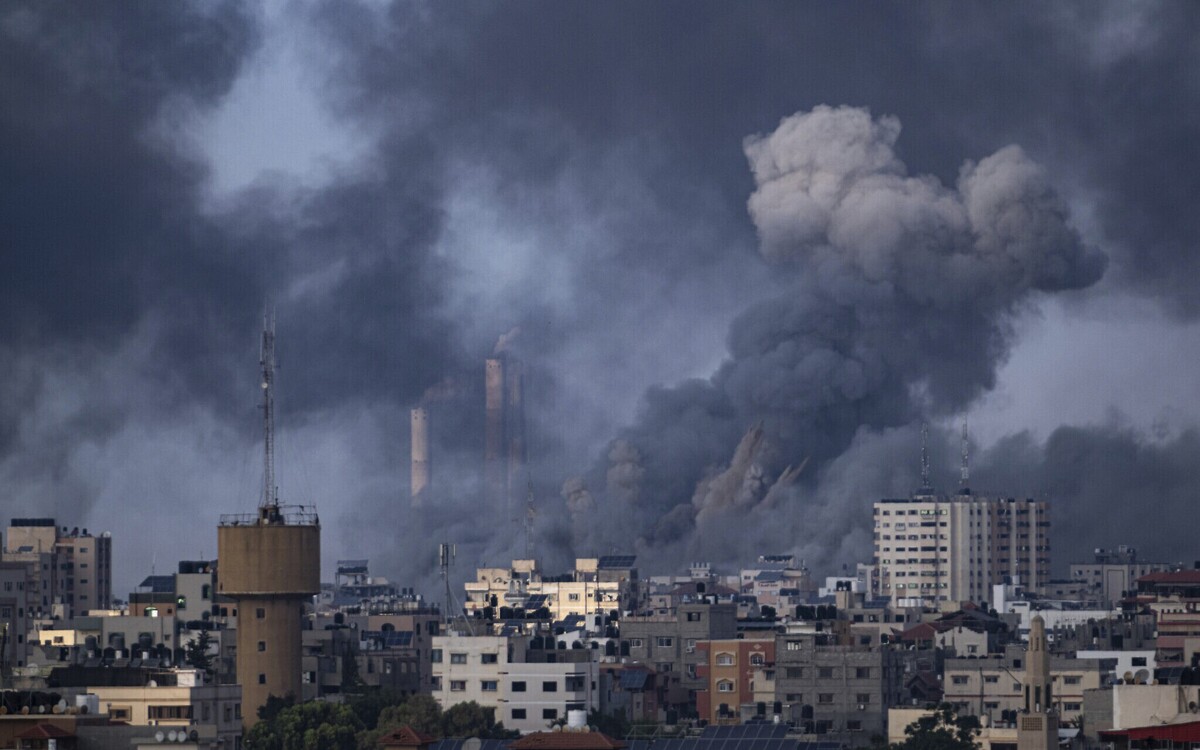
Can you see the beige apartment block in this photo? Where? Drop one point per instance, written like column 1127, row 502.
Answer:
column 932, row 550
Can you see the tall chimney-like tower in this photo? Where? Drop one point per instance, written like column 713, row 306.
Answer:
column 420, row 456
column 514, row 423
column 494, row 442
column 269, row 562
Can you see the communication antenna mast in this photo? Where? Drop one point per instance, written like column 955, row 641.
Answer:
column 966, row 458
column 445, row 562
column 270, row 493
column 446, row 554
column 925, row 457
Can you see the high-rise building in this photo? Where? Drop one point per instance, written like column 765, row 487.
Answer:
column 933, row 548
column 70, row 567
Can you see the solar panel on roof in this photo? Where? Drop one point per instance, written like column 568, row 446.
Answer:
column 536, row 601
column 616, row 561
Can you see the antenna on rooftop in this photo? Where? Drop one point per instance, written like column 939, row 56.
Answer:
column 925, row 488
column 446, row 553
column 966, row 459
column 270, row 493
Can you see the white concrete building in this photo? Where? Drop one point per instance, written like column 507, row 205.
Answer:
column 491, row 670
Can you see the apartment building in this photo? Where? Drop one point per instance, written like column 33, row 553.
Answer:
column 493, row 672
column 71, row 567
column 596, row 585
column 826, row 688
column 18, row 601
column 178, row 699
column 667, row 643
column 1112, row 574
column 992, row 685
column 933, row 549
column 733, row 669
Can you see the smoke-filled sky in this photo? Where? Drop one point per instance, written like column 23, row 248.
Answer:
column 744, row 251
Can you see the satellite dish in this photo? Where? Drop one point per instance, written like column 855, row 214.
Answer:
column 159, row 736
column 172, row 736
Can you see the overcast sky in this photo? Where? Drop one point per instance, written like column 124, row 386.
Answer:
column 832, row 221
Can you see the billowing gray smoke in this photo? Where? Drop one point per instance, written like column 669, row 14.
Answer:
column 902, row 290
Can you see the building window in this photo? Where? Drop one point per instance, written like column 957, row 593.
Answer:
column 458, row 658
column 435, row 683
column 959, row 679
column 488, row 658
column 825, row 673
column 663, row 667
column 518, row 687
column 487, row 686
column 262, row 679
column 862, row 673
column 635, row 643
column 170, row 712
column 665, row 642
column 550, row 713
column 1072, row 706
column 1072, row 679
column 757, row 660
column 518, row 713
column 574, row 683
column 825, row 698
column 991, row 679
column 435, row 656
column 260, row 614
column 854, row 726
column 262, row 645
column 572, row 597
column 793, row 673
column 725, row 686
column 724, row 660
column 1138, row 661
column 550, row 686
column 458, row 686
column 862, row 697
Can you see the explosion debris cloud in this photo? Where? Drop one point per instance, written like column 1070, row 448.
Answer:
column 736, row 296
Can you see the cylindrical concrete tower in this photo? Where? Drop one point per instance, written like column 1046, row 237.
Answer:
column 495, row 479
column 270, row 563
column 514, row 423
column 420, row 456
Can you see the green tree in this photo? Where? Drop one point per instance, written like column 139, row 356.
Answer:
column 420, row 711
column 941, row 730
column 370, row 703
column 196, row 653
column 472, row 720
column 275, row 706
column 615, row 725
column 315, row 725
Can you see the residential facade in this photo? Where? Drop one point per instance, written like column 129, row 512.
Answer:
column 931, row 549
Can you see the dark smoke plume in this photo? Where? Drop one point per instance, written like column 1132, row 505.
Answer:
column 902, row 292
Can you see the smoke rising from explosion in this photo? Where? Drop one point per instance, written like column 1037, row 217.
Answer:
column 806, row 299
column 902, row 291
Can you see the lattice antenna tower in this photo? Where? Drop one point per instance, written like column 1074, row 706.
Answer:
column 925, row 457
column 965, row 480
column 270, row 492
column 446, row 554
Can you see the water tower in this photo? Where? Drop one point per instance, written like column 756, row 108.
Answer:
column 269, row 562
